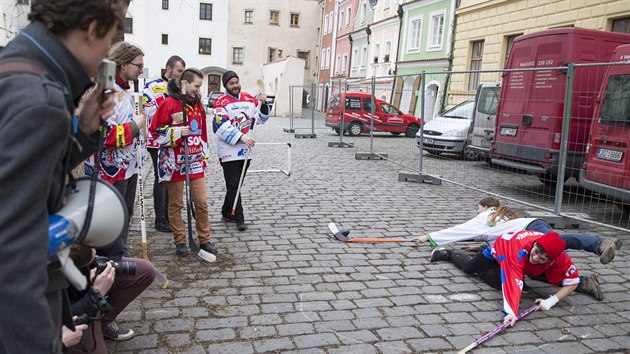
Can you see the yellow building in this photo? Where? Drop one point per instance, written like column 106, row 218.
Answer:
column 486, row 29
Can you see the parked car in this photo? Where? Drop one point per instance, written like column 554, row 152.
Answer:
column 448, row 132
column 213, row 97
column 484, row 118
column 357, row 116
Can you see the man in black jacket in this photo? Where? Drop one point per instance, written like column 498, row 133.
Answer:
column 40, row 142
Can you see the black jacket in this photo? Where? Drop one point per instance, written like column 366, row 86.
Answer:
column 35, row 156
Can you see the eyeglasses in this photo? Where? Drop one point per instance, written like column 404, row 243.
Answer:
column 139, row 66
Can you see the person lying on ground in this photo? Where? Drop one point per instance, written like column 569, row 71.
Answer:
column 493, row 220
column 516, row 254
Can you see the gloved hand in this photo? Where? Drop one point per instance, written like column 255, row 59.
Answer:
column 547, row 303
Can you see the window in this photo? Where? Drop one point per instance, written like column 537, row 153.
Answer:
column 325, row 29
column 353, row 103
column 327, row 58
column 341, row 19
column 616, row 104
column 345, row 63
column 509, row 42
column 164, row 38
column 205, row 11
column 377, row 52
column 271, row 54
column 237, row 55
column 363, row 11
column 436, row 31
column 304, row 54
column 205, row 46
column 338, row 65
column 355, row 55
column 621, row 25
column 386, row 4
column 295, row 20
column 475, row 64
column 274, row 17
column 415, row 31
column 128, row 25
column 330, row 22
column 388, row 49
column 348, row 17
column 363, row 57
column 249, row 16
column 323, row 59
column 164, row 4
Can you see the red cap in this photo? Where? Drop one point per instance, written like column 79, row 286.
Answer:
column 552, row 244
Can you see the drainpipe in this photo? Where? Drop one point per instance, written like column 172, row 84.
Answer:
column 400, row 13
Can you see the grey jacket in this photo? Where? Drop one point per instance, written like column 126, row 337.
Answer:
column 36, row 153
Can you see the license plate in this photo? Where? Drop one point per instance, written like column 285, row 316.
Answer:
column 508, row 131
column 610, row 155
column 427, row 141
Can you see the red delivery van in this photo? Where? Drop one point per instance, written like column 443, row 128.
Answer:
column 531, row 105
column 606, row 169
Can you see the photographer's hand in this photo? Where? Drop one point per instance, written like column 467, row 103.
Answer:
column 96, row 106
column 70, row 338
column 103, row 281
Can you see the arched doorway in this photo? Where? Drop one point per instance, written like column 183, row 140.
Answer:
column 212, row 79
column 405, row 99
column 214, row 83
column 430, row 99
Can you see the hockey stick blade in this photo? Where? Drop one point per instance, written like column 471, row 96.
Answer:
column 339, row 235
column 206, row 256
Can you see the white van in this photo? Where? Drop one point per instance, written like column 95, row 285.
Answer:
column 484, row 117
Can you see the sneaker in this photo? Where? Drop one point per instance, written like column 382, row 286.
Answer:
column 181, row 249
column 240, row 226
column 162, row 226
column 209, row 247
column 607, row 249
column 591, row 287
column 439, row 254
column 113, row 331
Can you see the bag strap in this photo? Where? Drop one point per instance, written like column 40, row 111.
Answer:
column 13, row 67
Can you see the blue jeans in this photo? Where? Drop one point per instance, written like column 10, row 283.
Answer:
column 574, row 241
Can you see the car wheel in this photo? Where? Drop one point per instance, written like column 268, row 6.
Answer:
column 354, row 129
column 470, row 154
column 549, row 179
column 411, row 130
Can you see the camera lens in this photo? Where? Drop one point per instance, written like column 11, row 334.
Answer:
column 124, row 268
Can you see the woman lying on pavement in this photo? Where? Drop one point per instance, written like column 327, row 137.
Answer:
column 494, row 220
column 514, row 255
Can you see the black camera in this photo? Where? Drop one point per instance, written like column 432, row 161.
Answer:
column 98, row 301
column 121, row 268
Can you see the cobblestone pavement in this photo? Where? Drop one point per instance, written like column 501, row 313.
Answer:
column 287, row 286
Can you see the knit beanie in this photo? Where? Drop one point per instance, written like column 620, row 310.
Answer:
column 552, row 244
column 227, row 76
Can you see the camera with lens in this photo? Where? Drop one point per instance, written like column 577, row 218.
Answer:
column 121, row 268
column 98, row 301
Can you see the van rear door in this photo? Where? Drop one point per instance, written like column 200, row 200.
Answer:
column 484, row 118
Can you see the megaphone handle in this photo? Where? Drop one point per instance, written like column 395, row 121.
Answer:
column 70, row 270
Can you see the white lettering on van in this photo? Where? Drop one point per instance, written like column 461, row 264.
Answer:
column 527, row 63
column 625, row 57
column 544, row 62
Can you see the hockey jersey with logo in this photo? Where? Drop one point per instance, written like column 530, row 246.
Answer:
column 164, row 128
column 511, row 251
column 153, row 95
column 234, row 117
column 118, row 159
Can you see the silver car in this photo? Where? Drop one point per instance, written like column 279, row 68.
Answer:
column 448, row 132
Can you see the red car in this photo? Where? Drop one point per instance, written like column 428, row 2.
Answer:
column 387, row 118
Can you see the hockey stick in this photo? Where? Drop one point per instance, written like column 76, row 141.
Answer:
column 206, row 256
column 497, row 330
column 159, row 277
column 342, row 235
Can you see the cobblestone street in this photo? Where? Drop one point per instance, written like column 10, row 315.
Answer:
column 286, row 285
